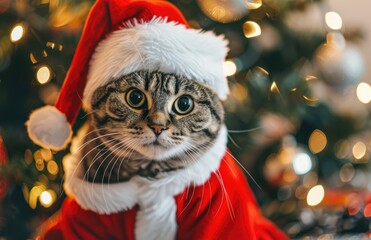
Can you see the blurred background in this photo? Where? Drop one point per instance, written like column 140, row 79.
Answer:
column 298, row 114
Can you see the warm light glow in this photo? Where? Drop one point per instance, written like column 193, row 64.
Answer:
column 302, row 163
column 34, row 194
column 46, row 154
column 52, row 167
column 359, row 150
column 47, row 198
column 229, row 68
column 254, row 4
column 43, row 75
column 17, row 33
column 251, row 29
column 317, row 141
column 333, row 20
column 274, row 88
column 315, row 195
column 367, row 210
column 346, row 172
column 364, row 92
column 39, row 164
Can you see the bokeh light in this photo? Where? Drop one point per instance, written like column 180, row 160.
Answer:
column 17, row 33
column 254, row 4
column 47, row 198
column 43, row 74
column 333, row 20
column 317, row 141
column 302, row 163
column 229, row 68
column 52, row 167
column 346, row 172
column 364, row 92
column 315, row 195
column 359, row 150
column 251, row 29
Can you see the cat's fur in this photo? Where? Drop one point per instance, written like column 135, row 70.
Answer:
column 122, row 144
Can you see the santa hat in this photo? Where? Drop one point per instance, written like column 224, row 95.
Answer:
column 121, row 37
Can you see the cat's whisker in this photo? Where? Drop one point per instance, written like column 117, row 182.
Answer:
column 244, row 130
column 247, row 172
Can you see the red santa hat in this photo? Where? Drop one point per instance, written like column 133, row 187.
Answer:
column 121, row 37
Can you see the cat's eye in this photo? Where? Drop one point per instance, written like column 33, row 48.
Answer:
column 135, row 98
column 183, row 105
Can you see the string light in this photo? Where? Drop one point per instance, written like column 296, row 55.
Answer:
column 17, row 33
column 254, row 4
column 302, row 163
column 364, row 92
column 47, row 198
column 359, row 150
column 229, row 68
column 43, row 74
column 251, row 29
column 317, row 141
column 315, row 195
column 333, row 20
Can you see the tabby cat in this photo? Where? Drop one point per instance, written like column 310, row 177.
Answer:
column 148, row 123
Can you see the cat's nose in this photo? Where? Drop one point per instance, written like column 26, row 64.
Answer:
column 157, row 129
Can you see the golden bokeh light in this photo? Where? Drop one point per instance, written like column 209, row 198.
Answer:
column 364, row 92
column 254, row 4
column 317, row 141
column 43, row 74
column 359, row 150
column 333, row 20
column 52, row 167
column 46, row 154
column 315, row 195
column 251, row 29
column 34, row 195
column 274, row 88
column 229, row 68
column 47, row 198
column 17, row 33
column 39, row 163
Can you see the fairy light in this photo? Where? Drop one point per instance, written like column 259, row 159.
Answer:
column 251, row 29
column 274, row 88
column 364, row 92
column 333, row 20
column 47, row 198
column 302, row 163
column 359, row 150
column 229, row 68
column 317, row 141
column 52, row 167
column 43, row 74
column 17, row 33
column 254, row 4
column 315, row 195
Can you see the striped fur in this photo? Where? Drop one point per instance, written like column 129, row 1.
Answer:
column 121, row 143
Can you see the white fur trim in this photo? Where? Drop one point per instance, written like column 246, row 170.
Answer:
column 49, row 128
column 159, row 46
column 156, row 218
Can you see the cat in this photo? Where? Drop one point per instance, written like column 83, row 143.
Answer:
column 151, row 163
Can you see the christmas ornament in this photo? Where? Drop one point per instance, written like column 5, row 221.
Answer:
column 339, row 63
column 224, row 11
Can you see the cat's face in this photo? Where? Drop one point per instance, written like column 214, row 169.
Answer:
column 157, row 115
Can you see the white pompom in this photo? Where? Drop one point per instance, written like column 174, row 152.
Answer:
column 49, row 128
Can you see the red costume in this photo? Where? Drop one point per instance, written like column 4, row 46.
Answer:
column 203, row 212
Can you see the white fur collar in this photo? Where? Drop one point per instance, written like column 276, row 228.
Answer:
column 111, row 198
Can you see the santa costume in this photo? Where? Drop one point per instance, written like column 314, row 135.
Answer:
column 207, row 200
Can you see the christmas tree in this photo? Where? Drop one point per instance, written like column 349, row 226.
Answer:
column 298, row 113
